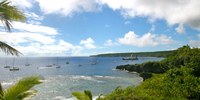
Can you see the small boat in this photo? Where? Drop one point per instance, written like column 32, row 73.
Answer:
column 27, row 64
column 58, row 66
column 49, row 65
column 130, row 58
column 94, row 63
column 14, row 69
column 7, row 66
column 67, row 62
column 79, row 65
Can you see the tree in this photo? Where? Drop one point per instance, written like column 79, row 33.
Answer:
column 9, row 13
column 20, row 90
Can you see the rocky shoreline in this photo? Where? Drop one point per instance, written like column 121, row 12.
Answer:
column 145, row 70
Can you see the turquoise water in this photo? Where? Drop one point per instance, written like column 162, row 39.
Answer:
column 97, row 74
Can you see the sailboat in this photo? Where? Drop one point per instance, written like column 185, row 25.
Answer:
column 94, row 61
column 7, row 66
column 49, row 65
column 27, row 64
column 57, row 66
column 130, row 58
column 14, row 68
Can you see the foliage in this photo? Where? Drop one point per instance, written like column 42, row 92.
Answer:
column 177, row 84
column 8, row 49
column 9, row 13
column 179, row 81
column 120, row 94
column 86, row 95
column 139, row 54
column 21, row 89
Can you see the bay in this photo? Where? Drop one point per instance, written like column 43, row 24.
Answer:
column 97, row 74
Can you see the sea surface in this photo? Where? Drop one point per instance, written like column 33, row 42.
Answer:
column 97, row 74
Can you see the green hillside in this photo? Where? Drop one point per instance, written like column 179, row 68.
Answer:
column 139, row 54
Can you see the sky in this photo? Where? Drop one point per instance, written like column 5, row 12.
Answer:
column 89, row 27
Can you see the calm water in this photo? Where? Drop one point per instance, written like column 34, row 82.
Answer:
column 80, row 74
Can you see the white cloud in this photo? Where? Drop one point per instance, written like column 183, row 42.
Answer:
column 180, row 29
column 23, row 4
column 88, row 43
column 24, row 37
column 59, row 49
column 194, row 43
column 38, row 40
column 67, row 7
column 34, row 28
column 173, row 11
column 147, row 39
column 33, row 16
column 33, row 44
column 110, row 43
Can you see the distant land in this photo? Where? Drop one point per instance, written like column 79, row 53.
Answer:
column 138, row 54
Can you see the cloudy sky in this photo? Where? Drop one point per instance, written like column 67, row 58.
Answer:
column 87, row 27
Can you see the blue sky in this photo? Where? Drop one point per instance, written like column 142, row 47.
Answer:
column 88, row 27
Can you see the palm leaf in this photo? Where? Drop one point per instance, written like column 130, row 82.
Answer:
column 9, row 13
column 8, row 49
column 21, row 89
column 86, row 95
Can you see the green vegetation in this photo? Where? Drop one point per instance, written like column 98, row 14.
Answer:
column 139, row 54
column 20, row 90
column 86, row 95
column 175, row 78
column 180, row 79
column 184, row 56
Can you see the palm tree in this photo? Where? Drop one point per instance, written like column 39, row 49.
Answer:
column 20, row 90
column 9, row 13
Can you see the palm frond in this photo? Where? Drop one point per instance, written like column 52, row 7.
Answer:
column 86, row 95
column 29, row 94
column 9, row 13
column 21, row 89
column 8, row 49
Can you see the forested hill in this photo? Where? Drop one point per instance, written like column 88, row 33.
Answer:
column 139, row 54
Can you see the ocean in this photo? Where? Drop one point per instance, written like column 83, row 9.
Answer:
column 96, row 74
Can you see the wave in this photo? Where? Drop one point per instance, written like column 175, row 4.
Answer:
column 63, row 98
column 5, row 84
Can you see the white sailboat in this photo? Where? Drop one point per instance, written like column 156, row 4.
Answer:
column 14, row 68
column 57, row 66
column 27, row 64
column 7, row 66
